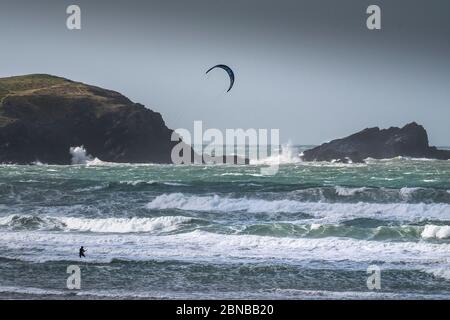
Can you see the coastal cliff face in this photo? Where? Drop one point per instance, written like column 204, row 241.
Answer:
column 42, row 116
column 409, row 141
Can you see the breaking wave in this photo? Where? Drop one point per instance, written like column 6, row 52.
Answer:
column 343, row 191
column 28, row 222
column 316, row 230
column 205, row 246
column 81, row 157
column 107, row 225
column 327, row 211
column 438, row 232
column 287, row 155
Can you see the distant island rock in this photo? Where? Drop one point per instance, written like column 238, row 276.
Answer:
column 409, row 141
column 43, row 116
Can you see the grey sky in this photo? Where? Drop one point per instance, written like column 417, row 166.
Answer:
column 309, row 68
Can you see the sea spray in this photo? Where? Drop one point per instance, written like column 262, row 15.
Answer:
column 80, row 155
column 287, row 155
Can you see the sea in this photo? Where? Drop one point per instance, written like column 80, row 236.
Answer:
column 313, row 230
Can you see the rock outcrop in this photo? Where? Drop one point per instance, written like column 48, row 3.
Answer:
column 409, row 141
column 42, row 116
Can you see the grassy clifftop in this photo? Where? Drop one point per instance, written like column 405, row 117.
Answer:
column 19, row 84
column 46, row 92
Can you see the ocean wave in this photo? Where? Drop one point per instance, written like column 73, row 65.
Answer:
column 324, row 210
column 374, row 194
column 287, row 155
column 351, row 295
column 237, row 174
column 90, row 189
column 437, row 232
column 205, row 246
column 106, row 225
column 274, row 293
column 80, row 156
column 443, row 272
column 165, row 224
column 317, row 230
column 32, row 291
column 344, row 191
column 124, row 225
column 136, row 183
column 399, row 158
column 29, row 222
column 175, row 184
column 407, row 193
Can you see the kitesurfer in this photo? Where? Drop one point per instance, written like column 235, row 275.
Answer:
column 82, row 252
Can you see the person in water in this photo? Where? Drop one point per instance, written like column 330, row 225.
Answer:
column 82, row 251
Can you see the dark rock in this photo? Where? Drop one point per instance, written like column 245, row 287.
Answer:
column 42, row 116
column 409, row 141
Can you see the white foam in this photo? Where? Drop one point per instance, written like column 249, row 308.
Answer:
column 95, row 293
column 93, row 188
column 287, row 155
column 30, row 290
column 136, row 182
column 265, row 294
column 98, row 162
column 222, row 248
column 24, row 221
column 443, row 273
column 275, row 293
column 406, row 192
column 175, row 184
column 351, row 295
column 345, row 192
column 384, row 179
column 124, row 225
column 399, row 158
column 329, row 212
column 237, row 174
column 437, row 232
column 330, row 164
column 315, row 226
column 106, row 225
column 79, row 155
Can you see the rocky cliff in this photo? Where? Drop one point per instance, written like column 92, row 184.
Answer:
column 42, row 116
column 409, row 141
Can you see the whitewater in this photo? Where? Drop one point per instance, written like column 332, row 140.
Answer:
column 226, row 231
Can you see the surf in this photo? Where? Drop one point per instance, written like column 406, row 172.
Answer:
column 331, row 212
column 99, row 225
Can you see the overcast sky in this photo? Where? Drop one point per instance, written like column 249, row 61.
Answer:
column 310, row 68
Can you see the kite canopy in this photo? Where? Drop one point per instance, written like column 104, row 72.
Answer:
column 228, row 70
